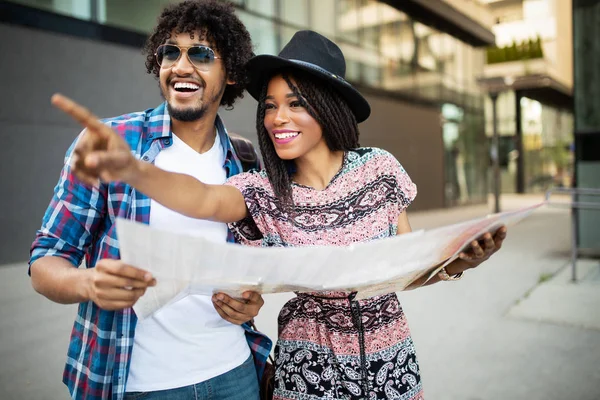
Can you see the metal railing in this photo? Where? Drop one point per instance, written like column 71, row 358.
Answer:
column 575, row 206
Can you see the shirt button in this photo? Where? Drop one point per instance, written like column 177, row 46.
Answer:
column 145, row 158
column 151, row 136
column 167, row 141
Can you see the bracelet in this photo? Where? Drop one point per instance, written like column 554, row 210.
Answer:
column 443, row 275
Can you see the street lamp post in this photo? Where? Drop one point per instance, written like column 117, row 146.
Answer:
column 494, row 86
column 494, row 153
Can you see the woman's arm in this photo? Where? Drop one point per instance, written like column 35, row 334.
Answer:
column 480, row 250
column 404, row 227
column 188, row 196
column 101, row 153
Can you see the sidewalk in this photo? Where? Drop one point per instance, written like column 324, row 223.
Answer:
column 514, row 328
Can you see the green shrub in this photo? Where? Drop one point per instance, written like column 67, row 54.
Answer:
column 526, row 50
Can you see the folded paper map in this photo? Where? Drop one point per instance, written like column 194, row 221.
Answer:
column 184, row 264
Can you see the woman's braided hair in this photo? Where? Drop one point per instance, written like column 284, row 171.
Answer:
column 217, row 23
column 326, row 106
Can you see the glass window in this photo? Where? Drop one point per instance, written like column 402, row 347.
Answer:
column 295, row 12
column 397, row 48
column 465, row 156
column 262, row 31
column 353, row 55
column 348, row 25
column 73, row 8
column 136, row 15
column 383, row 46
column 263, row 7
column 322, row 17
column 370, row 22
column 408, row 42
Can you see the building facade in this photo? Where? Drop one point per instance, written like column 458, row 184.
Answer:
column 417, row 63
column 533, row 61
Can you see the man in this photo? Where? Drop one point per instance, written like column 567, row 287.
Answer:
column 197, row 346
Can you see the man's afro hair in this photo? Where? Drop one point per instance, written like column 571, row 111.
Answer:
column 217, row 23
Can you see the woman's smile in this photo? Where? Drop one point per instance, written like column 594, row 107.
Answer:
column 284, row 136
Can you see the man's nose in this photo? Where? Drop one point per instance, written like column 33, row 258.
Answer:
column 183, row 66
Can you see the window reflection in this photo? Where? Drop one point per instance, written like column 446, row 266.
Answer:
column 263, row 32
column 385, row 49
column 323, row 17
column 262, row 7
column 295, row 12
column 72, row 8
column 136, row 15
column 348, row 24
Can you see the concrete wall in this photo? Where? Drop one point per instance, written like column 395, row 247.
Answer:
column 414, row 135
column 111, row 80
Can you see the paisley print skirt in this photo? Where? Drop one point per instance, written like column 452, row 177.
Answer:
column 334, row 347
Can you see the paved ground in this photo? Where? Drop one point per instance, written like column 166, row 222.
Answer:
column 515, row 328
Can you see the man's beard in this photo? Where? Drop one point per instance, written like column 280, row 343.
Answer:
column 186, row 115
column 192, row 114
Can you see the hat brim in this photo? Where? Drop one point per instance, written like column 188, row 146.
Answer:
column 261, row 68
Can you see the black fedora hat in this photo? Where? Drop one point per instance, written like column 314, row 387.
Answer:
column 313, row 53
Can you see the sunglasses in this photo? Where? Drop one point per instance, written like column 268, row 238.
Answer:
column 201, row 57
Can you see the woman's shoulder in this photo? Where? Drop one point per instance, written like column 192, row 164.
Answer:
column 381, row 164
column 367, row 155
column 371, row 152
column 250, row 179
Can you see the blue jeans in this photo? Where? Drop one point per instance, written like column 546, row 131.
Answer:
column 240, row 383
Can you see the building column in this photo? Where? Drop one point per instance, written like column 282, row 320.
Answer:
column 494, row 153
column 520, row 175
column 586, row 90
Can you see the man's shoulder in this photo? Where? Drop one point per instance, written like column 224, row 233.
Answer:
column 137, row 121
column 130, row 119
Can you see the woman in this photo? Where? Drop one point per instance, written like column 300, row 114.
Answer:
column 319, row 188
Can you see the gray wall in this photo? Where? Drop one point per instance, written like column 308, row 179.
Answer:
column 111, row 80
column 414, row 135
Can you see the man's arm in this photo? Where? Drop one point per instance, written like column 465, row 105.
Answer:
column 69, row 227
column 112, row 284
column 58, row 280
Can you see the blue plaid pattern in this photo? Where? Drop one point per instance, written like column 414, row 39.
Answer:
column 79, row 222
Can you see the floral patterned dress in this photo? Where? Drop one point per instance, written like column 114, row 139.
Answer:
column 330, row 345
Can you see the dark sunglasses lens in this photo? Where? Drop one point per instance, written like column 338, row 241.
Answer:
column 201, row 55
column 167, row 54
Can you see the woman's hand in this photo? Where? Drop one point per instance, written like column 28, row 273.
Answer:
column 479, row 251
column 100, row 153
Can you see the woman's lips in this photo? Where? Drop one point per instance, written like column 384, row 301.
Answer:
column 284, row 137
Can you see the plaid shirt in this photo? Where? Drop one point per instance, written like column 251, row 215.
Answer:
column 80, row 222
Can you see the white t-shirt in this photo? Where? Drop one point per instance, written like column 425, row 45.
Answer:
column 187, row 341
